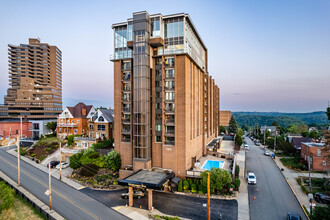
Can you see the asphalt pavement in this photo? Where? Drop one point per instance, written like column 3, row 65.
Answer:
column 274, row 198
column 171, row 204
column 67, row 201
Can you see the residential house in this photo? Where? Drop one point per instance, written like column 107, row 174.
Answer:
column 271, row 129
column 100, row 125
column 296, row 142
column 74, row 120
column 316, row 154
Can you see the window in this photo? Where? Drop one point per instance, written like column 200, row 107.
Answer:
column 91, row 127
column 101, row 118
column 169, row 73
column 101, row 127
column 158, row 127
column 169, row 95
column 155, row 27
column 319, row 152
column 75, row 131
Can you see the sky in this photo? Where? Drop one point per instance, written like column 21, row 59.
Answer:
column 264, row 55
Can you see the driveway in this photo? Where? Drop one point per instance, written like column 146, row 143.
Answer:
column 171, row 204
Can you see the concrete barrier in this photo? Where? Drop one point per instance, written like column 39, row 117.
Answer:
column 31, row 199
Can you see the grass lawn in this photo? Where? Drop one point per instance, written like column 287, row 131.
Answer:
column 21, row 210
column 293, row 163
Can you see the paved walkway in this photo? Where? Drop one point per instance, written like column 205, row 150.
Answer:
column 242, row 198
column 54, row 172
column 291, row 176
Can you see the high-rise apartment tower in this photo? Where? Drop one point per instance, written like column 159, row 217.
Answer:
column 166, row 104
column 35, row 79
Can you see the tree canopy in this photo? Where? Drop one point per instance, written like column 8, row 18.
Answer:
column 233, row 126
column 219, row 179
column 52, row 125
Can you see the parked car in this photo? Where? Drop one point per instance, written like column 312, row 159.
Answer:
column 267, row 153
column 252, row 179
column 137, row 194
column 293, row 216
column 246, row 147
column 257, row 144
column 64, row 165
column 322, row 198
column 53, row 163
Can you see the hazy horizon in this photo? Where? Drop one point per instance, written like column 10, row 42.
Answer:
column 266, row 56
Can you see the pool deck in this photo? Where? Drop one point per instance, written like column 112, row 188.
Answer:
column 210, row 157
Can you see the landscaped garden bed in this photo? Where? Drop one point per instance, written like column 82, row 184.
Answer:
column 43, row 148
column 293, row 163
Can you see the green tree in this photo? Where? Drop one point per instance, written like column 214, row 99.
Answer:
column 113, row 160
column 75, row 160
column 240, row 132
column 185, row 185
column 222, row 129
column 238, row 140
column 275, row 123
column 52, row 125
column 297, row 129
column 233, row 126
column 328, row 113
column 70, row 140
column 237, row 183
column 219, row 179
column 314, row 134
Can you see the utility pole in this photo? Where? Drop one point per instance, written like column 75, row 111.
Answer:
column 208, row 197
column 310, row 183
column 265, row 138
column 50, row 188
column 21, row 127
column 60, row 161
column 275, row 141
column 18, row 161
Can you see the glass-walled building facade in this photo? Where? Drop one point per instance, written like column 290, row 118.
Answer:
column 162, row 93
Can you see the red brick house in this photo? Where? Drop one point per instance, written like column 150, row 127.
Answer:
column 314, row 152
column 10, row 129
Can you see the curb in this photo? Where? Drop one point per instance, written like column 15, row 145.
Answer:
column 41, row 207
column 294, row 193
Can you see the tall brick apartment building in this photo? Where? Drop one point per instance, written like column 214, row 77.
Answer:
column 35, row 79
column 166, row 104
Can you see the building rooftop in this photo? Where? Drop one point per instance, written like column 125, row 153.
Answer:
column 77, row 110
column 146, row 178
column 108, row 114
column 313, row 144
column 296, row 141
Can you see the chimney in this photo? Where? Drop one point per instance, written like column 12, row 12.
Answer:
column 110, row 107
column 83, row 112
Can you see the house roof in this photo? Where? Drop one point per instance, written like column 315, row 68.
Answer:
column 107, row 114
column 76, row 111
column 313, row 144
column 296, row 141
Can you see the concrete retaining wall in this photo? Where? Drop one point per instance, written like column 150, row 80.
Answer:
column 31, row 199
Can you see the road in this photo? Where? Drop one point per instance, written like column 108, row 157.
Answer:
column 171, row 204
column 274, row 198
column 67, row 201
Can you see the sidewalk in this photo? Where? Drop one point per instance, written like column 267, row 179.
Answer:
column 54, row 173
column 291, row 176
column 243, row 196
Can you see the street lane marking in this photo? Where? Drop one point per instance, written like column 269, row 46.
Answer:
column 46, row 186
column 116, row 208
column 81, row 187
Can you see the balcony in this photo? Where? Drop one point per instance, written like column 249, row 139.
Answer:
column 169, row 87
column 170, row 121
column 170, row 133
column 126, row 79
column 169, row 110
column 125, row 99
column 126, row 120
column 126, row 110
column 169, row 142
column 126, row 139
column 71, row 125
column 126, row 89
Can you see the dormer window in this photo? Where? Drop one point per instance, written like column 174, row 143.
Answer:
column 101, row 118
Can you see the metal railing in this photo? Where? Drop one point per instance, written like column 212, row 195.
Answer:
column 67, row 125
column 169, row 142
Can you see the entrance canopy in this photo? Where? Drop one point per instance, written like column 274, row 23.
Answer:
column 147, row 179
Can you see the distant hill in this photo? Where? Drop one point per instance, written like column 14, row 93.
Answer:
column 283, row 119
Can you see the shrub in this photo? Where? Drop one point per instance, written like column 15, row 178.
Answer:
column 193, row 188
column 219, row 178
column 237, row 183
column 238, row 140
column 299, row 181
column 75, row 160
column 7, row 195
column 112, row 160
column 70, row 140
column 185, row 185
column 180, row 186
column 236, row 170
column 88, row 170
column 33, row 155
column 49, row 149
column 200, row 192
column 190, row 182
column 230, row 186
column 200, row 188
column 303, row 188
column 197, row 182
column 42, row 157
column 103, row 144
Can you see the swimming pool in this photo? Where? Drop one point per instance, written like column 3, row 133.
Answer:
column 213, row 163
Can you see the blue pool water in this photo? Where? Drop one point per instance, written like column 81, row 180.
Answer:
column 212, row 163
